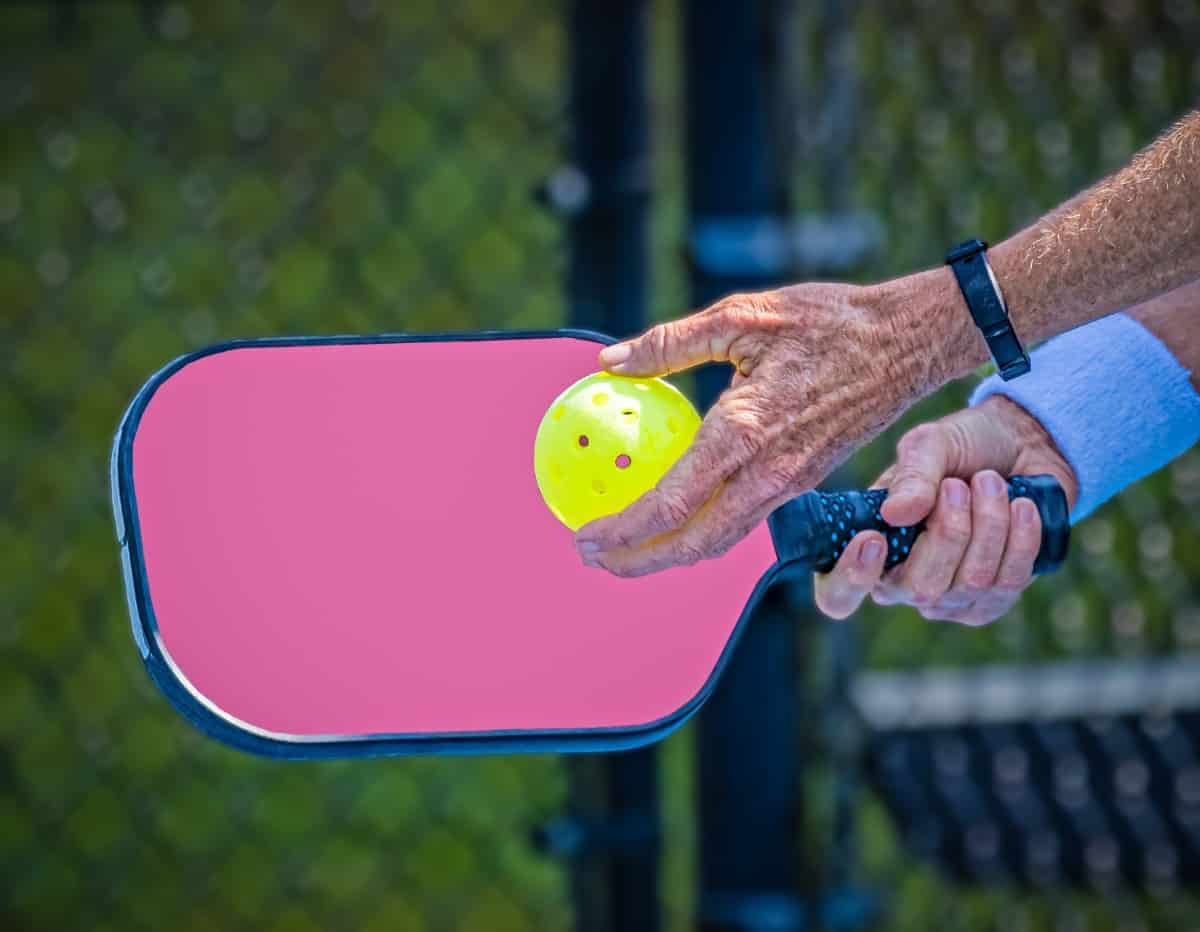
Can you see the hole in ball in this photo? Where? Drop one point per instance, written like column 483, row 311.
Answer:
column 583, row 440
column 623, row 461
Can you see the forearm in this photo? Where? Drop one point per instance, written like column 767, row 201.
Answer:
column 1129, row 238
column 1175, row 319
column 1115, row 395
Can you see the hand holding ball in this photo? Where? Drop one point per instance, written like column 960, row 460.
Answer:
column 606, row 441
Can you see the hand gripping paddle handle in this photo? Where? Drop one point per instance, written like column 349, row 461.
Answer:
column 816, row 527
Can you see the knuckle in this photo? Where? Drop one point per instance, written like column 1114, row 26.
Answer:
column 992, row 516
column 618, row 569
column 881, row 595
column 954, row 529
column 776, row 476
column 975, row 582
column 672, row 510
column 743, row 430
column 957, row 439
column 961, row 595
column 657, row 342
column 926, row 594
column 616, row 536
column 1011, row 586
column 933, row 612
column 688, row 553
column 917, row 438
column 741, row 312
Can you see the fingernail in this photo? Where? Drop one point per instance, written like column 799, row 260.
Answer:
column 615, row 355
column 589, row 547
column 1025, row 512
column 870, row 552
column 990, row 485
column 956, row 494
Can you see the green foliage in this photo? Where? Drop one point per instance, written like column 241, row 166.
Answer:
column 214, row 171
column 174, row 175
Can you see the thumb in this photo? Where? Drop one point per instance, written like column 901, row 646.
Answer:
column 921, row 458
column 672, row 346
column 959, row 445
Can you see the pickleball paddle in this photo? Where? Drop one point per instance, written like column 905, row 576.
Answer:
column 337, row 547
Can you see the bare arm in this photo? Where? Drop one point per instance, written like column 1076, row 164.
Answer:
column 1175, row 319
column 1127, row 239
column 822, row 368
column 977, row 553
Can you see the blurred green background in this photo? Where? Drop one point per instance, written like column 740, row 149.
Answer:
column 177, row 174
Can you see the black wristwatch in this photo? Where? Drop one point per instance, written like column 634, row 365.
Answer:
column 986, row 304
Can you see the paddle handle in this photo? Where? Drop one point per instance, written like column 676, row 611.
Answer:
column 816, row 527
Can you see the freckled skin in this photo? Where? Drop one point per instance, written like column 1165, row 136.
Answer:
column 823, row 368
column 977, row 581
column 977, row 553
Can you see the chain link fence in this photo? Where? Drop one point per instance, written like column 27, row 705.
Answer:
column 178, row 174
column 175, row 175
column 973, row 118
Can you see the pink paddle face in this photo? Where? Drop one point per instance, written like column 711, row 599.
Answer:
column 347, row 540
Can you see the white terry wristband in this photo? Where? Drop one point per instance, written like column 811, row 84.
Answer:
column 1116, row 401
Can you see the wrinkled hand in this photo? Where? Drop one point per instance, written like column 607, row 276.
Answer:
column 977, row 552
column 820, row 369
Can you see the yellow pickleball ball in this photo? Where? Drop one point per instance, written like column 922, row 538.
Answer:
column 607, row 440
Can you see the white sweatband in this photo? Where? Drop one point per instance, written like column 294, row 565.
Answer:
column 1116, row 401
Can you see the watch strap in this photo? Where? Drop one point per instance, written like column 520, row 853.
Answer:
column 979, row 289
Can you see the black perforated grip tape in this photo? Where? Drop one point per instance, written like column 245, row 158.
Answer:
column 815, row 528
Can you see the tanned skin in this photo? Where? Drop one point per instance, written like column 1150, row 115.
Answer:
column 976, row 555
column 823, row 368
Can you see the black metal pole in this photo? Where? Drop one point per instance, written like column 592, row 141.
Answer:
column 613, row 803
column 606, row 186
column 749, row 784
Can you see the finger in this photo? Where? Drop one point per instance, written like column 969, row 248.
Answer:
column 958, row 445
column 839, row 592
column 943, row 611
column 923, row 458
column 729, row 437
column 989, row 535
column 739, row 506
column 675, row 345
column 1016, row 567
column 991, row 606
column 885, row 593
column 930, row 569
column 1020, row 553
